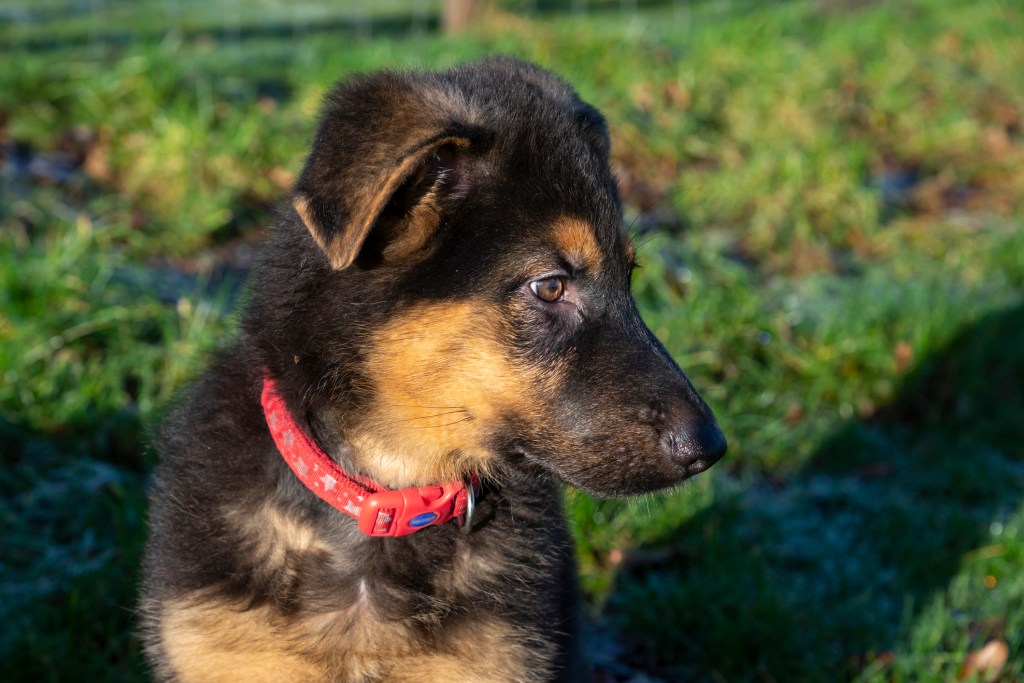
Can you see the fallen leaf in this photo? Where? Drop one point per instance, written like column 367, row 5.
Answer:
column 988, row 661
column 997, row 142
column 902, row 355
column 281, row 177
column 642, row 96
column 97, row 163
column 677, row 95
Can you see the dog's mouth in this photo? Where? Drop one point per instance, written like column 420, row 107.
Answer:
column 607, row 468
column 519, row 455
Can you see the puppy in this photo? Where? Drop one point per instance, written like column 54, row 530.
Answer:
column 365, row 485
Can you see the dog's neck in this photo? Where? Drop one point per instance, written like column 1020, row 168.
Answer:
column 379, row 511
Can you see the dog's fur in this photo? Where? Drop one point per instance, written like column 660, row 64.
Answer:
column 395, row 306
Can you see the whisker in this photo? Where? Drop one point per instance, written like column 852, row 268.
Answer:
column 468, row 418
column 422, row 407
column 419, row 417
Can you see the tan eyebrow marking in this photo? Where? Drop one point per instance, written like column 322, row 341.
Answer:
column 577, row 242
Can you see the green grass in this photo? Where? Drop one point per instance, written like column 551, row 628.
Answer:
column 829, row 198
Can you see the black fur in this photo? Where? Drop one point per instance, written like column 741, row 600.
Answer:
column 500, row 150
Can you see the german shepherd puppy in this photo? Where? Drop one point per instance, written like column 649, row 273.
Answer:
column 365, row 485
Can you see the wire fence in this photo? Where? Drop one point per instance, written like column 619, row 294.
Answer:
column 36, row 25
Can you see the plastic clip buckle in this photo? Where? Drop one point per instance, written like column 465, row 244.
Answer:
column 405, row 511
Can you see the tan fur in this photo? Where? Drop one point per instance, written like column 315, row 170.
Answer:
column 301, row 206
column 487, row 652
column 417, row 229
column 442, row 376
column 277, row 535
column 576, row 240
column 215, row 643
column 210, row 641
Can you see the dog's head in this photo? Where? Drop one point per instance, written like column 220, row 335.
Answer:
column 451, row 293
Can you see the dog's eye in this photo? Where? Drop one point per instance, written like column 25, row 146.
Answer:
column 550, row 289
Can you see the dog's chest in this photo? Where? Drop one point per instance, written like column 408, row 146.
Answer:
column 385, row 628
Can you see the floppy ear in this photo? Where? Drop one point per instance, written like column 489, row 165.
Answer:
column 401, row 194
column 383, row 156
column 402, row 197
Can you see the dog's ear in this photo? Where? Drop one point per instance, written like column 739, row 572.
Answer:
column 593, row 126
column 399, row 201
column 384, row 159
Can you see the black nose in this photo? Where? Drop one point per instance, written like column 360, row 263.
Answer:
column 696, row 447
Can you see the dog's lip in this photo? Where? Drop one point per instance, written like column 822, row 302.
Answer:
column 696, row 467
column 682, row 471
column 518, row 450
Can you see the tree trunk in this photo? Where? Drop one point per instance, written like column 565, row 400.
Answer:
column 458, row 15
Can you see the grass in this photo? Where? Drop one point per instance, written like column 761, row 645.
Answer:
column 830, row 201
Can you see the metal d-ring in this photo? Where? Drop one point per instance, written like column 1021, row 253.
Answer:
column 467, row 517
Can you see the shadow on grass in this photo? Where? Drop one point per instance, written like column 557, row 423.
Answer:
column 99, row 341
column 810, row 577
column 73, row 513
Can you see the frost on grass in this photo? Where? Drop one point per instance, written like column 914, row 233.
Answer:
column 64, row 529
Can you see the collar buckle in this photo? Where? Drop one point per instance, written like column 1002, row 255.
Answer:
column 401, row 512
column 466, row 519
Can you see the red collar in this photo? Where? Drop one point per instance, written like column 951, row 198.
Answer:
column 380, row 511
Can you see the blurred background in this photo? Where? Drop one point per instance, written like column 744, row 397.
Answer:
column 828, row 198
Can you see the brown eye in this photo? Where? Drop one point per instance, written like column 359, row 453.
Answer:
column 549, row 289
